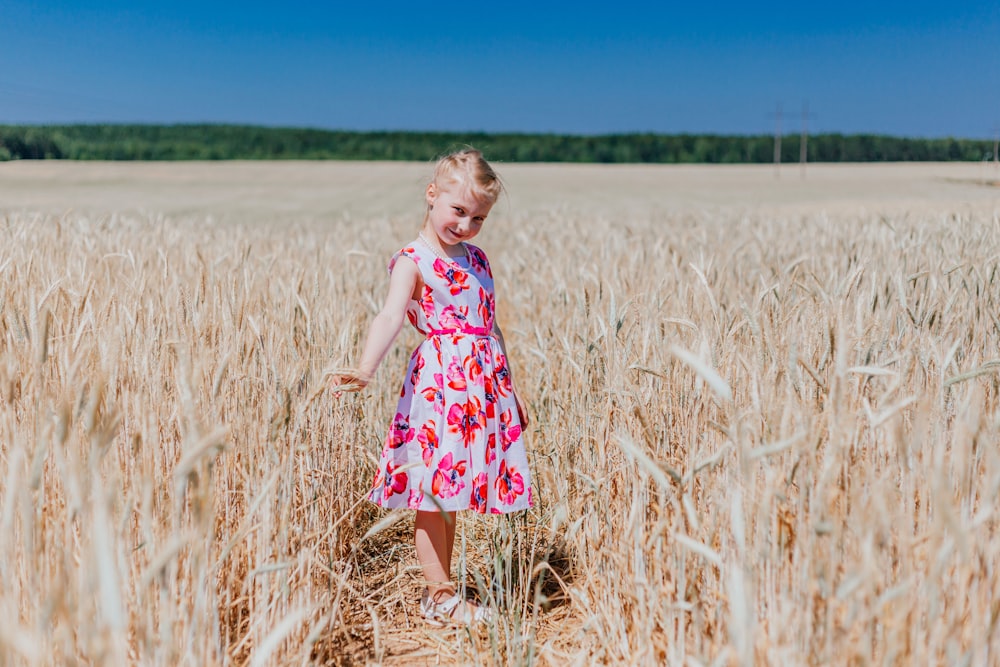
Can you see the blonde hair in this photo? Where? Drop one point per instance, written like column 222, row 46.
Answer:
column 469, row 169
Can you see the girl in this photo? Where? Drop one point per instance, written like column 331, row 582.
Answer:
column 456, row 442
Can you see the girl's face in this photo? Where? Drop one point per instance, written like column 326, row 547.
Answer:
column 455, row 215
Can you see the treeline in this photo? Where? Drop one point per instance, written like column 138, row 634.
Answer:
column 241, row 142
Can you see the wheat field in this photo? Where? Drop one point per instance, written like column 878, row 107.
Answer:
column 765, row 417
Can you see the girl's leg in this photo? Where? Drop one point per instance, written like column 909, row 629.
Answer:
column 449, row 530
column 434, row 535
column 431, row 536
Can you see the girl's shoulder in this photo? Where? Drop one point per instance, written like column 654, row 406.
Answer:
column 412, row 250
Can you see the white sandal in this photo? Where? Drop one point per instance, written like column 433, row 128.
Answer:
column 440, row 614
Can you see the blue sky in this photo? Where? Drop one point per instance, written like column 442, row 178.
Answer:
column 915, row 69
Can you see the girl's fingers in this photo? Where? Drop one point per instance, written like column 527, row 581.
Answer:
column 341, row 383
column 522, row 413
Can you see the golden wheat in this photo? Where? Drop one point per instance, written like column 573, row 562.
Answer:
column 758, row 437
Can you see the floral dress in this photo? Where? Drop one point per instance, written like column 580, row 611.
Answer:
column 456, row 442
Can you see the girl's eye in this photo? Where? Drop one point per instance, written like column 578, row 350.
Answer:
column 458, row 210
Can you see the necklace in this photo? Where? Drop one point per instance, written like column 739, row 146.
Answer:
column 424, row 240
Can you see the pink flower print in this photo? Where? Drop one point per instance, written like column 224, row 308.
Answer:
column 491, row 398
column 435, row 393
column 428, row 441
column 436, row 343
column 509, row 484
column 504, row 385
column 416, row 495
column 427, row 303
column 379, row 481
column 395, row 482
column 473, row 369
column 477, row 259
column 453, row 317
column 400, row 433
column 479, row 493
column 456, row 379
column 454, row 277
column 491, row 448
column 466, row 419
column 485, row 307
column 417, row 367
column 447, row 480
column 508, row 434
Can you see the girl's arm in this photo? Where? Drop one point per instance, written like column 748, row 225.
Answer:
column 384, row 328
column 522, row 412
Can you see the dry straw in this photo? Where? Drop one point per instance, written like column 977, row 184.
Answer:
column 756, row 440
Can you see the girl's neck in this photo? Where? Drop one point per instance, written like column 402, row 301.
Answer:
column 431, row 240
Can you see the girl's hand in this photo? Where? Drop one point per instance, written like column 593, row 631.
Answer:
column 347, row 381
column 522, row 412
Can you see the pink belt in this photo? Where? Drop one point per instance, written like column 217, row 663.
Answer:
column 472, row 331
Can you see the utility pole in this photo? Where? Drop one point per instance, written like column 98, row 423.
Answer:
column 804, row 139
column 777, row 140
